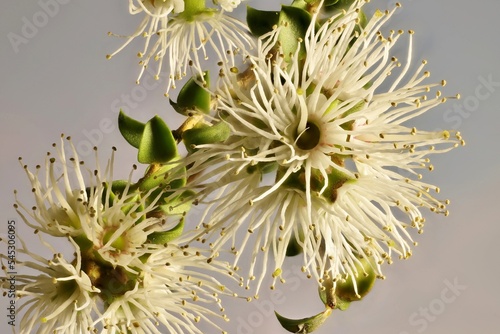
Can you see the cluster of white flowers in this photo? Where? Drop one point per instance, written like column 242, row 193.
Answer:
column 307, row 150
column 345, row 162
column 179, row 30
column 119, row 280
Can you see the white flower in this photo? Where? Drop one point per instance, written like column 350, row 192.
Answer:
column 175, row 290
column 57, row 297
column 124, row 276
column 334, row 127
column 78, row 202
column 60, row 192
column 180, row 37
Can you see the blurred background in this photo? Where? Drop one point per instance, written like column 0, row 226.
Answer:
column 55, row 79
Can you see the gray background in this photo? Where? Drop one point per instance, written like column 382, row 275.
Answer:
column 59, row 81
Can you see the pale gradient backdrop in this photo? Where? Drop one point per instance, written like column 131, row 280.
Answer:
column 58, row 80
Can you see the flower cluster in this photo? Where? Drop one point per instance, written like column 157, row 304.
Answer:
column 177, row 30
column 127, row 272
column 303, row 146
column 330, row 126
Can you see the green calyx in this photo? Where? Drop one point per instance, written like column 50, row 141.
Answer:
column 335, row 180
column 193, row 8
column 261, row 22
column 339, row 294
column 364, row 282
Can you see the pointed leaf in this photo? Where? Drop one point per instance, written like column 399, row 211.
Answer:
column 157, row 143
column 294, row 23
column 161, row 238
column 193, row 97
column 306, row 325
column 130, row 129
column 261, row 21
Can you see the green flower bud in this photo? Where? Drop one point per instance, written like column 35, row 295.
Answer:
column 352, row 290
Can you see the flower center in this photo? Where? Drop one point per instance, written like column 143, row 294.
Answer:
column 119, row 243
column 309, row 138
column 112, row 281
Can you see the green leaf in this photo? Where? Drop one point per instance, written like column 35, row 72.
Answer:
column 130, row 129
column 157, row 143
column 161, row 238
column 293, row 248
column 295, row 22
column 205, row 134
column 305, row 325
column 261, row 21
column 193, row 97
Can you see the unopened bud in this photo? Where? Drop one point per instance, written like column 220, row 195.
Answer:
column 353, row 290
